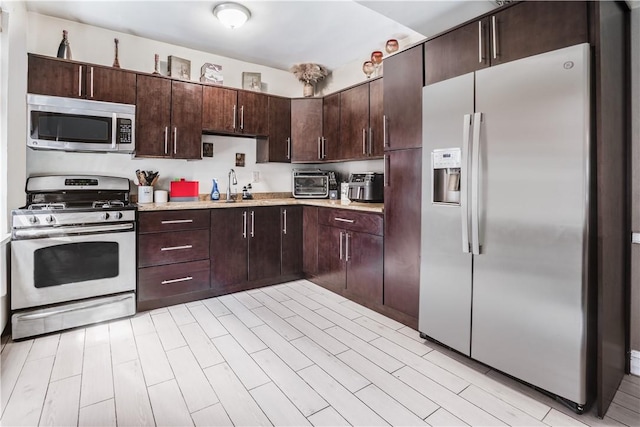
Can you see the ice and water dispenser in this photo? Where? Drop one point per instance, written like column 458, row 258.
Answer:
column 445, row 171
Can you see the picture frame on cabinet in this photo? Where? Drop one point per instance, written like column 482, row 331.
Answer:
column 179, row 67
column 252, row 81
column 207, row 149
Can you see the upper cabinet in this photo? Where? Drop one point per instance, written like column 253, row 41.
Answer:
column 235, row 111
column 168, row 118
column 403, row 82
column 330, row 141
column 376, row 117
column 361, row 116
column 518, row 31
column 277, row 147
column 306, row 130
column 58, row 77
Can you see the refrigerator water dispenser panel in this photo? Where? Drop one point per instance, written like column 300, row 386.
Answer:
column 445, row 172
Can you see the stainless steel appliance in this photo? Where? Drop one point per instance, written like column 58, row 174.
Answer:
column 69, row 124
column 504, row 263
column 310, row 183
column 73, row 254
column 366, row 187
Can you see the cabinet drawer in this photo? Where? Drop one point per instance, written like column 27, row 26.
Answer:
column 169, row 280
column 169, row 248
column 151, row 222
column 350, row 220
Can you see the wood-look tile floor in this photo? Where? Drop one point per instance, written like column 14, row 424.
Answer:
column 287, row 355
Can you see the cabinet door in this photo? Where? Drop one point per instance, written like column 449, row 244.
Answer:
column 48, row 76
column 530, row 28
column 291, row 261
column 457, row 52
column 111, row 85
column 264, row 242
column 331, row 254
column 186, row 120
column 330, row 149
column 253, row 113
column 153, row 116
column 364, row 254
column 403, row 81
column 376, row 116
column 310, row 242
column 229, row 247
column 402, row 230
column 277, row 148
column 219, row 109
column 354, row 123
column 306, row 129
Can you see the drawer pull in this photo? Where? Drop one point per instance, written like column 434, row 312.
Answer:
column 175, row 248
column 176, row 221
column 184, row 279
column 350, row 221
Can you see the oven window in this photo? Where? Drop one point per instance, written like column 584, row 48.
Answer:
column 70, row 128
column 75, row 262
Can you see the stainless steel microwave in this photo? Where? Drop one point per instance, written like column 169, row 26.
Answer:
column 69, row 124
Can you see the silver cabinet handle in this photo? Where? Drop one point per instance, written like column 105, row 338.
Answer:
column 324, row 147
column 183, row 279
column 346, row 244
column 284, row 221
column 320, row 147
column 350, row 221
column 289, row 148
column 79, row 80
column 242, row 117
column 244, row 224
column 464, row 202
column 364, row 141
column 387, row 168
column 341, row 234
column 480, row 58
column 635, row 238
column 494, row 37
column 370, row 141
column 91, row 93
column 166, row 140
column 253, row 224
column 234, row 117
column 176, row 248
column 176, row 221
column 385, row 138
column 175, row 140
column 475, row 185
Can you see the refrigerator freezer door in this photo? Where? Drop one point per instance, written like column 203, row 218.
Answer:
column 445, row 270
column 529, row 281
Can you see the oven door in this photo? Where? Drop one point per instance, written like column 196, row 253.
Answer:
column 70, row 267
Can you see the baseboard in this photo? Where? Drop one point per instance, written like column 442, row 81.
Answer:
column 635, row 362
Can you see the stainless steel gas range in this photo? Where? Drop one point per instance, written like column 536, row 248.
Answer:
column 73, row 254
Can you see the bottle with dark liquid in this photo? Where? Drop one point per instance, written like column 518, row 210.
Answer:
column 64, row 51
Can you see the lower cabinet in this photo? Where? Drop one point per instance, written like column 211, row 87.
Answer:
column 350, row 254
column 291, row 236
column 173, row 256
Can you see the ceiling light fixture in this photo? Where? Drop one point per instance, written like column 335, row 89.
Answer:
column 232, row 15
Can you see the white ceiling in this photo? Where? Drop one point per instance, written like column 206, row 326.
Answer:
column 279, row 33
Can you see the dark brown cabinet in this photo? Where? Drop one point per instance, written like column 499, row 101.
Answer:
column 354, row 122
column 403, row 82
column 291, row 235
column 518, row 31
column 168, row 118
column 58, row 77
column 376, row 117
column 245, row 245
column 350, row 254
column 277, row 146
column 330, row 141
column 234, row 111
column 306, row 130
column 310, row 242
column 173, row 256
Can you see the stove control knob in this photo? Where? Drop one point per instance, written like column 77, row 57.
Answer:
column 104, row 216
column 49, row 219
column 117, row 215
column 33, row 219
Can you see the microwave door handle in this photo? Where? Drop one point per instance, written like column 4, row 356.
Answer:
column 114, row 130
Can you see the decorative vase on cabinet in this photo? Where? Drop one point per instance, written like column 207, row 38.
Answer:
column 307, row 90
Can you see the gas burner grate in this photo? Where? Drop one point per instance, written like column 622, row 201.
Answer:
column 108, row 204
column 47, row 206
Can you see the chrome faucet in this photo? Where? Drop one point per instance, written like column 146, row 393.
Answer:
column 235, row 182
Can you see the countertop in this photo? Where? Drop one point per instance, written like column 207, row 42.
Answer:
column 208, row 204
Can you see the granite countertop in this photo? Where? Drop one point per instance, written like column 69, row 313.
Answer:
column 208, row 204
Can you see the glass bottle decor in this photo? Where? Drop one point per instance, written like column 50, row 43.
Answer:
column 157, row 61
column 215, row 193
column 64, row 51
column 376, row 58
column 116, row 63
column 368, row 68
column 391, row 46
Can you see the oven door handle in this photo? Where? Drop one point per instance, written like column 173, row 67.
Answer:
column 63, row 231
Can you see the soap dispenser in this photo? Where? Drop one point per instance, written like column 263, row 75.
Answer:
column 215, row 193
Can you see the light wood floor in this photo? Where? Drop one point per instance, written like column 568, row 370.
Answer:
column 292, row 354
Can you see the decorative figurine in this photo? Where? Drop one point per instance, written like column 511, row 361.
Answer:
column 116, row 63
column 157, row 61
column 64, row 51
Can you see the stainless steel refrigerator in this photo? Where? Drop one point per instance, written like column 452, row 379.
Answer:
column 505, row 214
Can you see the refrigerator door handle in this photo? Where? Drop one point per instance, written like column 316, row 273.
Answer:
column 464, row 189
column 475, row 185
